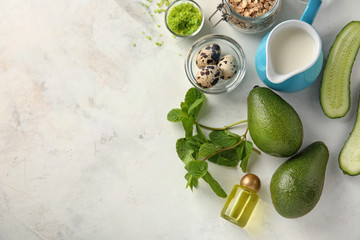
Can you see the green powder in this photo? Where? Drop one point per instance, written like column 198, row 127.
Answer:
column 184, row 19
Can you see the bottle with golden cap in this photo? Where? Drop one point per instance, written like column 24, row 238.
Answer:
column 242, row 200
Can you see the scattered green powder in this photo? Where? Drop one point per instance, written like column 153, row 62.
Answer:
column 161, row 8
column 145, row 5
column 159, row 43
column 184, row 19
column 164, row 3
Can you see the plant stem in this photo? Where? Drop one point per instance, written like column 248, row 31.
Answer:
column 223, row 128
column 256, row 150
column 242, row 138
column 247, row 129
column 223, row 149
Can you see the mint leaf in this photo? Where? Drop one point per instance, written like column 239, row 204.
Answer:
column 197, row 168
column 176, row 115
column 192, row 94
column 227, row 158
column 194, row 99
column 215, row 186
column 184, row 151
column 224, row 138
column 195, row 107
column 207, row 149
column 191, row 181
column 195, row 142
column 184, row 107
column 243, row 151
column 188, row 124
column 200, row 132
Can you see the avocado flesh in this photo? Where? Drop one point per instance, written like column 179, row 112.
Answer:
column 274, row 125
column 296, row 186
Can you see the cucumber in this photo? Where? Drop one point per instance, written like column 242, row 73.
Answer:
column 335, row 85
column 349, row 158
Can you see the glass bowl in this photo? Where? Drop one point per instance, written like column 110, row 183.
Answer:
column 228, row 46
column 176, row 3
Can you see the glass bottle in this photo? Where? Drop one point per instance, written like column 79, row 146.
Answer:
column 242, row 200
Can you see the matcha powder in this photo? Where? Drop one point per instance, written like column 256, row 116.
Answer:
column 184, row 19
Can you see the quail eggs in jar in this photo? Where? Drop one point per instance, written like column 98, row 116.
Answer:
column 228, row 67
column 208, row 76
column 215, row 64
column 209, row 55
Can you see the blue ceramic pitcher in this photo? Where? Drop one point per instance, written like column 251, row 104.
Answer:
column 290, row 57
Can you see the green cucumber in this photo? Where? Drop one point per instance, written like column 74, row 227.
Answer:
column 335, row 85
column 349, row 158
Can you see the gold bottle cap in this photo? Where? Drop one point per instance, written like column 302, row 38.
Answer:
column 251, row 181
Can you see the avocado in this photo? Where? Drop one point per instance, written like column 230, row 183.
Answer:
column 274, row 125
column 297, row 184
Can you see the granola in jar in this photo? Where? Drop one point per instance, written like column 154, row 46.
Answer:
column 249, row 16
column 252, row 8
column 253, row 16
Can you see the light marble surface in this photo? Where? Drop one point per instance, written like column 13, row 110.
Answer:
column 86, row 151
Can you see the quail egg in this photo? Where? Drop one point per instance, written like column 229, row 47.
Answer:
column 209, row 55
column 208, row 76
column 228, row 67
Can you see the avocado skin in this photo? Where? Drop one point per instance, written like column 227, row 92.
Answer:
column 274, row 125
column 297, row 184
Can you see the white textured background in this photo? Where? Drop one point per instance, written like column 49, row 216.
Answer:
column 86, row 151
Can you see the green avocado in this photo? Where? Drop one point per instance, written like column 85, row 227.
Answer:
column 297, row 184
column 274, row 125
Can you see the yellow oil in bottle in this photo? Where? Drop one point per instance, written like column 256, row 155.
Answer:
column 242, row 200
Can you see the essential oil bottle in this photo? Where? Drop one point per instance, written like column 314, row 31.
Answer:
column 242, row 200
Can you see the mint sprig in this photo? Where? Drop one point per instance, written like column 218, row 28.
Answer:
column 215, row 186
column 224, row 138
column 222, row 147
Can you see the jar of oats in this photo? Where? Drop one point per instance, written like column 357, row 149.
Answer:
column 248, row 16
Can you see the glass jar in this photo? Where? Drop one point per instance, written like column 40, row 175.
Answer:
column 247, row 24
column 242, row 200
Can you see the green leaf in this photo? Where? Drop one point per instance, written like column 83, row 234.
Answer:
column 191, row 181
column 243, row 151
column 197, row 168
column 215, row 186
column 188, row 124
column 224, row 138
column 176, row 115
column 200, row 132
column 227, row 158
column 191, row 95
column 194, row 99
column 195, row 142
column 207, row 149
column 184, row 107
column 184, row 151
column 195, row 107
